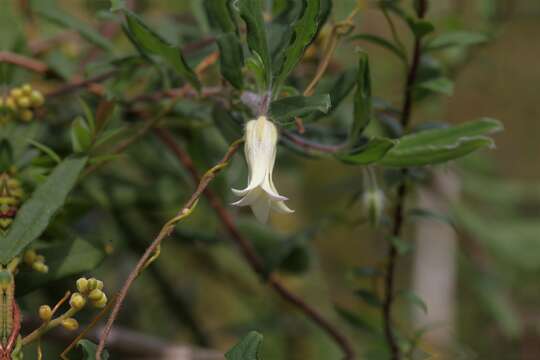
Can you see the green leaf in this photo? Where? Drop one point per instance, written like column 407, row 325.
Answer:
column 81, row 135
column 368, row 297
column 338, row 91
column 304, row 30
column 420, row 27
column 388, row 45
column 414, row 299
column 231, row 59
column 36, row 212
column 89, row 350
column 441, row 145
column 251, row 13
column 64, row 259
column 63, row 19
column 149, row 41
column 402, row 247
column 47, row 150
column 455, row 39
column 288, row 108
column 247, row 349
column 373, row 151
column 362, row 100
column 117, row 5
column 354, row 320
column 440, row 85
column 220, row 16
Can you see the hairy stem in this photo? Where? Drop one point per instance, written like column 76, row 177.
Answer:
column 389, row 280
column 251, row 256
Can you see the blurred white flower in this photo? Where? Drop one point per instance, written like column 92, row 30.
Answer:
column 260, row 149
column 373, row 201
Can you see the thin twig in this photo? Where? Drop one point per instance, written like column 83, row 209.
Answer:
column 164, row 233
column 249, row 253
column 23, row 61
column 389, row 279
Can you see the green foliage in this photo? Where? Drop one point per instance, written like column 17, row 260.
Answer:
column 373, row 151
column 36, row 213
column 247, row 349
column 362, row 99
column 89, row 350
column 284, row 110
column 150, row 42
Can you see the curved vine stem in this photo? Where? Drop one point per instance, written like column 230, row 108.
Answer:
column 389, row 279
column 150, row 254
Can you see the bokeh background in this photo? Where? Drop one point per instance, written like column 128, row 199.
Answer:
column 476, row 268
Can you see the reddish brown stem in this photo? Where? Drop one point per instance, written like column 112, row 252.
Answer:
column 23, row 61
column 249, row 253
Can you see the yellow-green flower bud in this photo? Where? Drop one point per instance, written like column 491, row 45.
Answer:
column 82, row 285
column 101, row 302
column 40, row 267
column 24, row 102
column 36, row 98
column 77, row 301
column 30, row 256
column 11, row 104
column 92, row 284
column 373, row 201
column 95, row 295
column 99, row 285
column 70, row 324
column 45, row 312
column 16, row 92
column 26, row 115
column 26, row 89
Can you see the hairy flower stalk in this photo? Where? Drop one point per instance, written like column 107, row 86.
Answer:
column 260, row 149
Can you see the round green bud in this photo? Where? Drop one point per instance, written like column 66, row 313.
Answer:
column 45, row 312
column 95, row 295
column 26, row 89
column 92, row 284
column 40, row 267
column 30, row 256
column 82, row 285
column 26, row 115
column 101, row 302
column 11, row 104
column 24, row 102
column 16, row 92
column 36, row 98
column 77, row 301
column 70, row 324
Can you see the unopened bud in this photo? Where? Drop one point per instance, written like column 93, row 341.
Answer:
column 23, row 102
column 92, row 284
column 36, row 98
column 95, row 295
column 16, row 92
column 77, row 301
column 101, row 302
column 10, row 104
column 82, row 285
column 30, row 256
column 26, row 89
column 45, row 312
column 40, row 267
column 70, row 324
column 373, row 201
column 26, row 115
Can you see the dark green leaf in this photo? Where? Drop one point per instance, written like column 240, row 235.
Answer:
column 151, row 42
column 373, row 151
column 304, row 30
column 430, row 215
column 455, row 38
column 440, row 85
column 381, row 42
column 362, row 100
column 368, row 297
column 251, row 13
column 402, row 247
column 220, row 15
column 47, row 150
column 63, row 259
column 338, row 91
column 441, row 145
column 65, row 20
column 231, row 59
column 36, row 212
column 247, row 349
column 413, row 299
column 89, row 350
column 354, row 320
column 288, row 108
column 419, row 27
column 81, row 135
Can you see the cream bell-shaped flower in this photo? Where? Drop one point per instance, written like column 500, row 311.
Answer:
column 260, row 149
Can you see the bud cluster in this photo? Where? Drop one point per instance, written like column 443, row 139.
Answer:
column 20, row 103
column 93, row 290
column 35, row 261
column 11, row 193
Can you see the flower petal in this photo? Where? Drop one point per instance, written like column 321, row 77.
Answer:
column 280, row 207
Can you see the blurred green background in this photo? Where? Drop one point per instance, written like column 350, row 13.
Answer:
column 201, row 293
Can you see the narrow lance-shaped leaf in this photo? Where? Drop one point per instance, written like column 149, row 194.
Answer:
column 289, row 107
column 89, row 350
column 374, row 150
column 247, row 348
column 381, row 42
column 305, row 30
column 251, row 13
column 220, row 16
column 149, row 41
column 231, row 59
column 36, row 212
column 441, row 145
column 362, row 100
